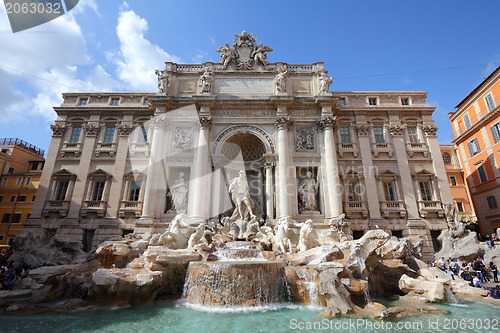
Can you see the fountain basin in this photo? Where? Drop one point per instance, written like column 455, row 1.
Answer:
column 236, row 283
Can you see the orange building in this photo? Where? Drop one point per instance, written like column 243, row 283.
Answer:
column 21, row 166
column 458, row 186
column 476, row 125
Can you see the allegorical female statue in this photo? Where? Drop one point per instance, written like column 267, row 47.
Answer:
column 179, row 191
column 307, row 193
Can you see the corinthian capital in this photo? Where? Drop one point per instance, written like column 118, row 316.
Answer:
column 396, row 130
column 58, row 130
column 363, row 130
column 430, row 130
column 91, row 129
column 283, row 123
column 205, row 122
column 326, row 123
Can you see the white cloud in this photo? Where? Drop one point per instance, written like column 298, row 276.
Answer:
column 138, row 57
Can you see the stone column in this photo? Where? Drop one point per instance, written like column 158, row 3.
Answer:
column 154, row 170
column 332, row 174
column 200, row 177
column 438, row 164
column 363, row 133
column 269, row 190
column 407, row 191
column 42, row 194
column 90, row 132
column 284, row 209
column 116, row 193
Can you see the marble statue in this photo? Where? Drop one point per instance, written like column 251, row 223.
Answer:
column 307, row 193
column 325, row 82
column 280, row 81
column 181, row 140
column 206, row 81
column 451, row 215
column 281, row 239
column 179, row 190
column 227, row 55
column 163, row 82
column 308, row 238
column 260, row 56
column 199, row 236
column 339, row 228
column 240, row 194
column 174, row 238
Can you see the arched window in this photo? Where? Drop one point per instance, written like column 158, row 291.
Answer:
column 447, row 159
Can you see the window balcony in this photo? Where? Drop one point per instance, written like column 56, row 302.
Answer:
column 347, row 148
column 352, row 208
column 385, row 147
column 108, row 149
column 94, row 206
column 133, row 207
column 392, row 207
column 417, row 147
column 70, row 148
column 56, row 206
column 426, row 207
column 141, row 148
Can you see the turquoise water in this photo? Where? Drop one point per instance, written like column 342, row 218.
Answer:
column 173, row 317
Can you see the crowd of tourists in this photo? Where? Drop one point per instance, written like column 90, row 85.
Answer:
column 10, row 273
column 476, row 272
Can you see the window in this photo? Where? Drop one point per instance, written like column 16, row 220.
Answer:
column 453, row 181
column 473, row 147
column 426, row 190
column 1, row 198
column 98, row 190
column 143, row 134
column 412, row 134
column 108, row 134
column 12, row 198
column 34, row 197
column 34, row 166
column 61, row 189
column 492, row 202
column 379, row 134
column 135, row 189
column 372, row 101
column 84, row 101
column 495, row 132
column 6, row 218
column 146, row 101
column 460, row 207
column 390, row 191
column 342, row 101
column 353, row 191
column 115, row 101
column 405, row 101
column 490, row 102
column 345, row 134
column 4, row 181
column 482, row 173
column 19, row 181
column 16, row 218
column 446, row 158
column 28, row 181
column 11, row 170
column 467, row 122
column 22, row 198
column 75, row 134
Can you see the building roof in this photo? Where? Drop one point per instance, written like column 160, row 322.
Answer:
column 22, row 144
column 478, row 87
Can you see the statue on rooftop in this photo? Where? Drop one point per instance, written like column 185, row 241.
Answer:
column 325, row 82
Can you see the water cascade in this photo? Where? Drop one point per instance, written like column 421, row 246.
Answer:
column 310, row 280
column 241, row 276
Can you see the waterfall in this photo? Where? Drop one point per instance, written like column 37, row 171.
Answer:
column 242, row 277
column 451, row 298
column 309, row 279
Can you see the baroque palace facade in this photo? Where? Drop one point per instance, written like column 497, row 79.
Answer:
column 130, row 161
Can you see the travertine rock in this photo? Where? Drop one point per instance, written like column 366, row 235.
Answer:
column 432, row 291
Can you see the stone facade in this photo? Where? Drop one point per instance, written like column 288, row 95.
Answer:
column 124, row 159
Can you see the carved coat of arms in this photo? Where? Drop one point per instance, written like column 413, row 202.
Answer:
column 245, row 52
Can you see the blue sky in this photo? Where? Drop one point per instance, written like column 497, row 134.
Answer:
column 116, row 45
